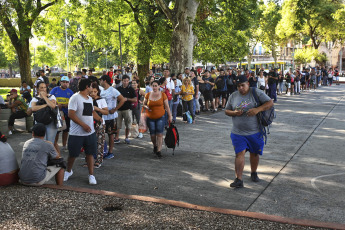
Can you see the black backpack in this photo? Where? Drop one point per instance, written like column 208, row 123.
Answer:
column 45, row 115
column 265, row 118
column 220, row 83
column 171, row 137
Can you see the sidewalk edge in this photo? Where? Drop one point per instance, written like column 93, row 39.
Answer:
column 255, row 215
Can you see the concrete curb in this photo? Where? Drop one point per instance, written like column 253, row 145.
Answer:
column 255, row 215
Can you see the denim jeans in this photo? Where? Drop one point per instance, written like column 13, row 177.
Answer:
column 281, row 87
column 51, row 132
column 156, row 126
column 188, row 106
column 297, row 86
column 174, row 110
column 272, row 92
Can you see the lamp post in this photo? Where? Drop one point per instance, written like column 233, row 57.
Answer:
column 106, row 59
column 120, row 42
column 66, row 43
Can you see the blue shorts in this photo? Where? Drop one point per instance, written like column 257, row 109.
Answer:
column 156, row 126
column 252, row 143
column 75, row 143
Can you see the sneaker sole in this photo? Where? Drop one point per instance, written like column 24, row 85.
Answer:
column 238, row 186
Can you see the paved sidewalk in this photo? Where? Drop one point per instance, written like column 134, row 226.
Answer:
column 301, row 171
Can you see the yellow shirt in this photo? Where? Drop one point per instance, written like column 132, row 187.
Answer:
column 189, row 89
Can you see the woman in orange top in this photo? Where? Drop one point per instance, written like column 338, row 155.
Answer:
column 156, row 104
column 187, row 92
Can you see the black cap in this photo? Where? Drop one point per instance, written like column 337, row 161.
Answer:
column 106, row 78
column 39, row 130
column 240, row 79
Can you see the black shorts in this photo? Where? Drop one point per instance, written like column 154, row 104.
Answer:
column 110, row 126
column 214, row 93
column 75, row 143
column 208, row 95
column 221, row 94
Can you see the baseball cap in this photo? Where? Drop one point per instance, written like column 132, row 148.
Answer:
column 186, row 68
column 64, row 78
column 213, row 68
column 106, row 78
column 240, row 79
column 13, row 91
column 39, row 130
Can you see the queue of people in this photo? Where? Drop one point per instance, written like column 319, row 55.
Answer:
column 93, row 107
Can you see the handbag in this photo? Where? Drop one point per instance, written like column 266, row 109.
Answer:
column 57, row 162
column 142, row 122
column 61, row 122
column 134, row 130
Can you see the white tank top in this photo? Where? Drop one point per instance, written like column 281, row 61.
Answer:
column 261, row 81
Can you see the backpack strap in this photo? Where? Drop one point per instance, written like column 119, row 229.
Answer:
column 261, row 127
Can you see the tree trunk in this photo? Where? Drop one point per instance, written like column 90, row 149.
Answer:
column 144, row 50
column 23, row 52
column 143, row 56
column 183, row 38
column 10, row 71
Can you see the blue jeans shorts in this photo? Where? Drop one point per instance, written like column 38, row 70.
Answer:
column 252, row 143
column 156, row 126
column 75, row 143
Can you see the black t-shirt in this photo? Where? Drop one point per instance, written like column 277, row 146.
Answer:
column 129, row 93
column 46, row 79
column 253, row 83
column 208, row 86
column 271, row 80
column 195, row 82
column 288, row 78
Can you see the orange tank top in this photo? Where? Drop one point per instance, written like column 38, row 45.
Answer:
column 156, row 107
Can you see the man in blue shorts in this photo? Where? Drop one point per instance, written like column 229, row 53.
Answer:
column 245, row 133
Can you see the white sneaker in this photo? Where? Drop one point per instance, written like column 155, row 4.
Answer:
column 64, row 148
column 10, row 132
column 92, row 179
column 140, row 135
column 67, row 175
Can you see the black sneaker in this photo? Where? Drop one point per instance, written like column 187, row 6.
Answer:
column 254, row 176
column 237, row 183
column 159, row 154
column 155, row 150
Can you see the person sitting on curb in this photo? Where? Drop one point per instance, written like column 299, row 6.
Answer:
column 8, row 163
column 18, row 107
column 34, row 169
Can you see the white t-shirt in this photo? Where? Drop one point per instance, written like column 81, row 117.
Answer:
column 170, row 84
column 83, row 109
column 38, row 79
column 178, row 82
column 102, row 104
column 110, row 95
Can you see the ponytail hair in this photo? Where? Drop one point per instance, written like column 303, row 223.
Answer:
column 2, row 138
